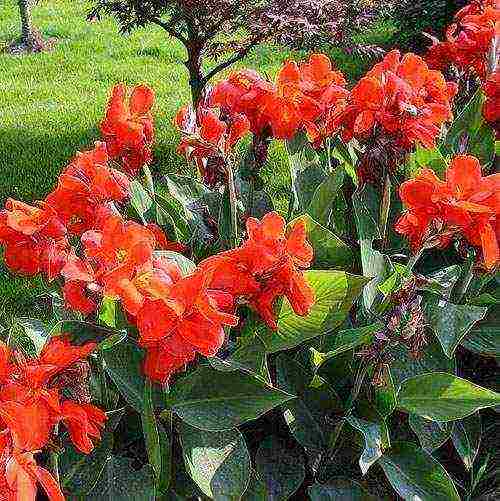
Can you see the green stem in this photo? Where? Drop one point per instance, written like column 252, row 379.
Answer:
column 233, row 202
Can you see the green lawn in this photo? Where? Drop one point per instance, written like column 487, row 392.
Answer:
column 51, row 103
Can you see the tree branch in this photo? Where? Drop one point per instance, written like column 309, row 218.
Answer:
column 168, row 27
column 234, row 59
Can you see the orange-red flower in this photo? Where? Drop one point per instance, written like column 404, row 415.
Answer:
column 207, row 138
column 465, row 205
column 491, row 107
column 267, row 265
column 33, row 238
column 128, row 126
column 399, row 97
column 185, row 320
column 86, row 185
column 468, row 40
column 300, row 95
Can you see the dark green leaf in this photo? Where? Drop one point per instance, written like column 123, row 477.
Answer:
column 444, row 397
column 218, row 462
column 385, row 394
column 342, row 341
column 307, row 415
column 366, row 202
column 151, row 435
column 140, row 199
column 35, row 331
column 339, row 489
column 281, row 469
column 123, row 364
column 451, row 322
column 120, row 481
column 406, row 366
column 212, row 400
column 322, row 202
column 467, row 438
column 329, row 250
column 431, row 434
column 373, row 435
column 414, row 474
column 256, row 490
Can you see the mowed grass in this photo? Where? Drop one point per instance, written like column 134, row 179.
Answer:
column 51, row 103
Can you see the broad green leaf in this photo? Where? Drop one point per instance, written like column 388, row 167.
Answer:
column 307, row 414
column 485, row 337
column 444, row 397
column 151, row 435
column 431, row 158
column 35, row 331
column 339, row 489
column 281, row 469
column 377, row 267
column 250, row 356
column 218, row 462
column 415, row 475
column 256, row 490
column 185, row 264
column 431, row 434
column 406, row 366
column 343, row 341
column 444, row 280
column 123, row 365
column 119, row 480
column 140, row 199
column 335, row 292
column 79, row 473
column 212, row 400
column 467, row 438
column 322, row 202
column 366, row 202
column 305, row 170
column 373, row 435
column 451, row 322
column 83, row 332
column 329, row 250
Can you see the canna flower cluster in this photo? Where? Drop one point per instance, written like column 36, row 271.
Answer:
column 491, row 107
column 468, row 40
column 33, row 402
column 78, row 236
column 400, row 98
column 465, row 205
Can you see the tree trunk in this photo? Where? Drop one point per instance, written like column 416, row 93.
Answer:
column 30, row 36
column 193, row 64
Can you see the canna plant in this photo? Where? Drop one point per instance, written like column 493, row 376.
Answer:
column 202, row 345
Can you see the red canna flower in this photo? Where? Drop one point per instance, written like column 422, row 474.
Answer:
column 468, row 40
column 33, row 239
column 491, row 107
column 300, row 95
column 399, row 97
column 186, row 320
column 128, row 126
column 20, row 477
column 266, row 266
column 208, row 138
column 31, row 405
column 84, row 188
column 465, row 205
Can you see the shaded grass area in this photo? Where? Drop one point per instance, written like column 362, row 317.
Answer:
column 51, row 103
